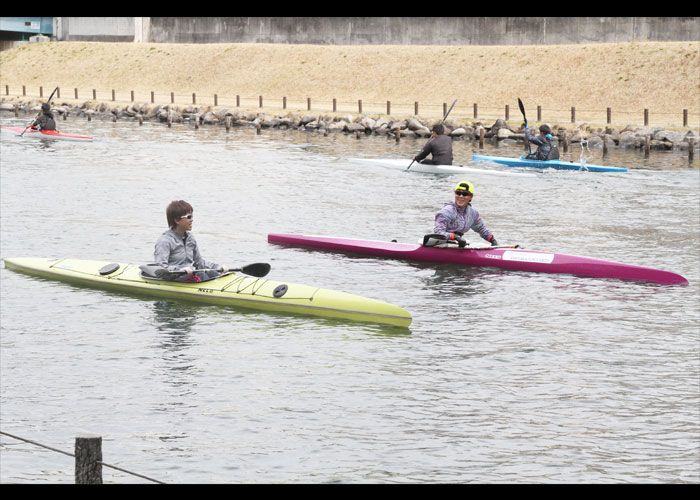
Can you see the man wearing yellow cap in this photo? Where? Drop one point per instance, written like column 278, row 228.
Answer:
column 457, row 217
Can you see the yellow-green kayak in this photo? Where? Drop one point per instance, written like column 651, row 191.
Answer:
column 229, row 289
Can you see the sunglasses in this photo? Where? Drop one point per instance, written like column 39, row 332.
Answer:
column 463, row 193
column 185, row 216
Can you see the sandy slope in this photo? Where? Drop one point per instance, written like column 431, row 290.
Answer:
column 663, row 77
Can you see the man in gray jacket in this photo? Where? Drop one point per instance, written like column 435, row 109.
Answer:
column 439, row 145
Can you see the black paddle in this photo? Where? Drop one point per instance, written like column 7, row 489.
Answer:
column 37, row 115
column 433, row 239
column 443, row 119
column 522, row 110
column 258, row 270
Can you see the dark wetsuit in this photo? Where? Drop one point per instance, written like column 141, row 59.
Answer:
column 546, row 149
column 441, row 149
column 45, row 121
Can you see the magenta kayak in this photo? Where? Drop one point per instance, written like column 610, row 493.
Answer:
column 509, row 258
column 53, row 134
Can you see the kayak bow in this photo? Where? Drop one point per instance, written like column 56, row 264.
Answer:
column 229, row 289
column 556, row 164
column 503, row 258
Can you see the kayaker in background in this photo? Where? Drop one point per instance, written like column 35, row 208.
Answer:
column 546, row 149
column 177, row 250
column 457, row 217
column 439, row 145
column 46, row 120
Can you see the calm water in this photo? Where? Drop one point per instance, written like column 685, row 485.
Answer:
column 502, row 377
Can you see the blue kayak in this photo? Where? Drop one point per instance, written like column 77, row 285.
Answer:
column 558, row 164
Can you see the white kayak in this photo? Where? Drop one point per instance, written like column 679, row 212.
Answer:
column 45, row 134
column 402, row 164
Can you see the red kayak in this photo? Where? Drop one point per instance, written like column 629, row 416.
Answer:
column 509, row 258
column 53, row 134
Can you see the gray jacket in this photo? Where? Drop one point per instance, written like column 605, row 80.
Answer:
column 173, row 252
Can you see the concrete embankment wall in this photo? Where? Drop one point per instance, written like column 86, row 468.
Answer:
column 380, row 30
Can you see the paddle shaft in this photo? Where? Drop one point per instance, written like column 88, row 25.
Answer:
column 522, row 110
column 259, row 270
column 449, row 242
column 37, row 115
column 443, row 119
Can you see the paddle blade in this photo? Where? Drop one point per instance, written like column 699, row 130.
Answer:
column 522, row 109
column 258, row 270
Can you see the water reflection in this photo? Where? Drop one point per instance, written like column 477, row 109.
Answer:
column 175, row 320
column 453, row 281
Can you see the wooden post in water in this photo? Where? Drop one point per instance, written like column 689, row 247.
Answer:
column 482, row 133
column 691, row 150
column 566, row 142
column 88, row 459
column 647, row 147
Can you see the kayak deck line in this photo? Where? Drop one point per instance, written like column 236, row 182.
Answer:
column 556, row 164
column 509, row 258
column 229, row 289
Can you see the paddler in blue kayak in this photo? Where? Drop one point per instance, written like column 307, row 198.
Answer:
column 457, row 217
column 546, row 148
column 177, row 250
column 46, row 120
column 439, row 145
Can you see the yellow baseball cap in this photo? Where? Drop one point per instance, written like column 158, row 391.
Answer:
column 465, row 186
